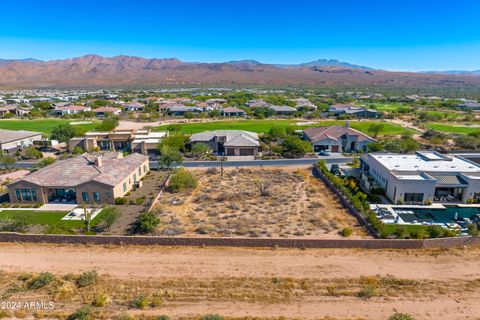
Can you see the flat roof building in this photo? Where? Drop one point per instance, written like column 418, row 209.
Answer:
column 422, row 177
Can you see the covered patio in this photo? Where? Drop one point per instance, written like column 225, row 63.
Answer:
column 62, row 195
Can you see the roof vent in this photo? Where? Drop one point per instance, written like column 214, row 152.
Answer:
column 99, row 161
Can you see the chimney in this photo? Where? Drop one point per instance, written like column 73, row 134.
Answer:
column 99, row 161
column 347, row 124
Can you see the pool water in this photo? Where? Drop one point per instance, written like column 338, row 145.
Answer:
column 446, row 215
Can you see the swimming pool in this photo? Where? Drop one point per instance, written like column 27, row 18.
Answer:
column 447, row 215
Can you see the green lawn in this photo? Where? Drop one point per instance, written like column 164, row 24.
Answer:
column 43, row 125
column 50, row 218
column 450, row 128
column 263, row 126
column 388, row 107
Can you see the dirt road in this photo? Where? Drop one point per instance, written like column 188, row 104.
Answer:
column 438, row 268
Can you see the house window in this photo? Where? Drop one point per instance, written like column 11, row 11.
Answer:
column 85, row 196
column 124, row 187
column 140, row 171
column 108, row 195
column 19, row 196
column 134, row 177
column 144, row 168
column 413, row 197
column 96, row 196
column 26, row 194
column 34, row 195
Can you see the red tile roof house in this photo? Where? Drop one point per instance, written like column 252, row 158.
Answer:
column 64, row 110
column 83, row 179
column 337, row 139
column 233, row 112
column 104, row 111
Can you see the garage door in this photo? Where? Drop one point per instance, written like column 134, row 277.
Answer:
column 246, row 152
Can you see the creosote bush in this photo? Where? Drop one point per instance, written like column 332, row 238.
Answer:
column 87, row 278
column 182, row 180
column 41, row 280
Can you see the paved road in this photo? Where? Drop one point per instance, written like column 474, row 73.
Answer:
column 258, row 163
column 235, row 163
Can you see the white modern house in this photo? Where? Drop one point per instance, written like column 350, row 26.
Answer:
column 422, row 177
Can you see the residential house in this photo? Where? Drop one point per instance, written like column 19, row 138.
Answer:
column 83, row 179
column 180, row 110
column 13, row 140
column 229, row 142
column 133, row 106
column 283, row 110
column 421, row 178
column 471, row 105
column 233, row 112
column 337, row 139
column 302, row 103
column 106, row 111
column 66, row 110
column 142, row 141
column 358, row 111
column 257, row 103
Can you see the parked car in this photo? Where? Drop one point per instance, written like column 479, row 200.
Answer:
column 324, row 153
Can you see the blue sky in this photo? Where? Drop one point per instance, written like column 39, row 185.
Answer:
column 389, row 34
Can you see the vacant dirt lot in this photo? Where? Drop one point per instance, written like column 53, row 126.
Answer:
column 295, row 204
column 239, row 282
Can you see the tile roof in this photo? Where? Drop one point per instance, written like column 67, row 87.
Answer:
column 81, row 169
column 106, row 109
column 232, row 110
column 233, row 138
column 283, row 108
column 75, row 108
column 13, row 135
column 334, row 132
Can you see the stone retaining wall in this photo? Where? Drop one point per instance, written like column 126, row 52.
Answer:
column 243, row 242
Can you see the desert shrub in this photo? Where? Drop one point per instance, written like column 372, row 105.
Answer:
column 435, row 231
column 83, row 313
column 146, row 222
column 40, row 280
column 182, row 180
column 401, row 316
column 109, row 216
column 140, row 302
column 163, row 317
column 100, row 301
column 87, row 278
column 139, row 201
column 212, row 317
column 473, row 230
column 367, row 292
column 346, row 232
column 122, row 316
column 212, row 170
column 121, row 201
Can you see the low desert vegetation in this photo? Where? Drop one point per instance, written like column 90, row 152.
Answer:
column 252, row 202
column 108, row 298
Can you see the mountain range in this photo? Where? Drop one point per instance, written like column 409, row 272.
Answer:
column 128, row 71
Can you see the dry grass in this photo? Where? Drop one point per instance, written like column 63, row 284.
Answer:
column 294, row 205
column 109, row 295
